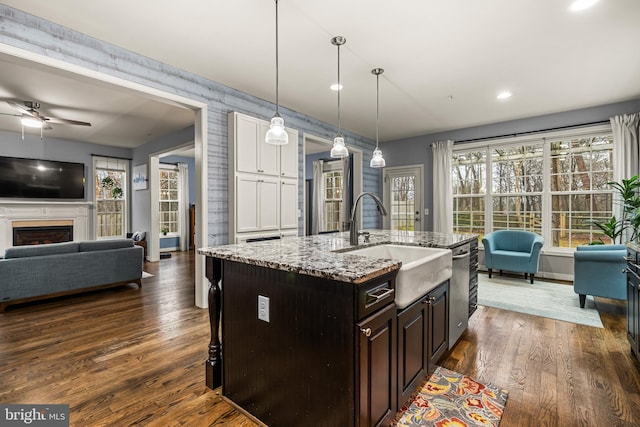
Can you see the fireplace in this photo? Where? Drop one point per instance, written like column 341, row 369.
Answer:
column 42, row 214
column 41, row 232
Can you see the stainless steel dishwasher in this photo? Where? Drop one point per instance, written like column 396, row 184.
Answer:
column 459, row 293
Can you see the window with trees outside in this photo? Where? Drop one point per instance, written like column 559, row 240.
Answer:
column 332, row 199
column 110, row 183
column 556, row 186
column 169, row 200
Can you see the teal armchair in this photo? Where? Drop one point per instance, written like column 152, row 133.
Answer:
column 512, row 250
column 598, row 270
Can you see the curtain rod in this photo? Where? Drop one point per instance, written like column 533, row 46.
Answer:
column 111, row 157
column 532, row 132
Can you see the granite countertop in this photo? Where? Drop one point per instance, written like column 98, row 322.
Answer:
column 327, row 255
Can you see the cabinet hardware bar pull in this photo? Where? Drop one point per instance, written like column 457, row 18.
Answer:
column 366, row 332
column 460, row 256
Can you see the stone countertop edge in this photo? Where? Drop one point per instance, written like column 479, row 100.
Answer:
column 327, row 255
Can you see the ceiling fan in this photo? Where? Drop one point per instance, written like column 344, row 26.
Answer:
column 32, row 118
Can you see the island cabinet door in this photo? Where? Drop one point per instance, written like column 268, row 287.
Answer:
column 376, row 353
column 413, row 351
column 438, row 300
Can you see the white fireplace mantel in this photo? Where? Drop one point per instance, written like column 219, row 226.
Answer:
column 21, row 211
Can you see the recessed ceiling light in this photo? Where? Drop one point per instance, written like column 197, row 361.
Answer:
column 579, row 5
column 504, row 95
column 336, row 86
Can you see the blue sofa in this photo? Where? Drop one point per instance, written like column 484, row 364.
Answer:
column 42, row 271
column 512, row 250
column 598, row 270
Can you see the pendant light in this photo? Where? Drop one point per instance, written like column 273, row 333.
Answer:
column 377, row 161
column 276, row 135
column 339, row 150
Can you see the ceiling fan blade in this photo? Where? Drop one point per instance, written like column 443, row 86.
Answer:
column 65, row 121
column 23, row 109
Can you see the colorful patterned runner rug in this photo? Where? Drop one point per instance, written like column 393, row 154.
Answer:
column 450, row 399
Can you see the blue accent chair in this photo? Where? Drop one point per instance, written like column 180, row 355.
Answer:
column 512, row 250
column 598, row 270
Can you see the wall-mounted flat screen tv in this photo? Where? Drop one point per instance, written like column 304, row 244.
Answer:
column 40, row 179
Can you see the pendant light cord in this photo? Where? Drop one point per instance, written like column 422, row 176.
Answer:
column 377, row 106
column 277, row 80
column 339, row 90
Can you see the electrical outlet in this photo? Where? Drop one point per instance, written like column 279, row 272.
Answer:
column 426, row 211
column 263, row 308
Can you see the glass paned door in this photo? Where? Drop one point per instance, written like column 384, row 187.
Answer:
column 402, row 198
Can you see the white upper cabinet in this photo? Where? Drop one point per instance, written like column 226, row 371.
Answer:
column 263, row 180
column 269, row 158
column 246, row 131
column 289, row 156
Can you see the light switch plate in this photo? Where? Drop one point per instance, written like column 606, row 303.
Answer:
column 426, row 211
column 263, row 308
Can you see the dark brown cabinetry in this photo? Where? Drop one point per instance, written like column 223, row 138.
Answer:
column 377, row 355
column 422, row 339
column 633, row 300
column 473, row 276
column 438, row 323
column 325, row 356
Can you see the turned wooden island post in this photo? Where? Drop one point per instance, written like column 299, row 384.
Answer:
column 213, row 364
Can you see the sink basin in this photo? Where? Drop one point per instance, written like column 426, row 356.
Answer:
column 422, row 268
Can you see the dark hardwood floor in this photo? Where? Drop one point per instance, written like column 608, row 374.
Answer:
column 129, row 356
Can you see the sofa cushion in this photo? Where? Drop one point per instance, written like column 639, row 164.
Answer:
column 41, row 250
column 103, row 245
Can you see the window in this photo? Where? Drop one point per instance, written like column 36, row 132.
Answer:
column 110, row 183
column 516, row 187
column 403, row 202
column 554, row 186
column 332, row 199
column 580, row 171
column 469, row 188
column 169, row 199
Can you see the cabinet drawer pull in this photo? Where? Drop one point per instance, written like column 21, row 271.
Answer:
column 429, row 300
column 366, row 332
column 376, row 295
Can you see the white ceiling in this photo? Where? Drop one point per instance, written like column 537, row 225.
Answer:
column 444, row 60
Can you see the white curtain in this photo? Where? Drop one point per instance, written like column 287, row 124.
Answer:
column 625, row 145
column 625, row 154
column 317, row 214
column 183, row 205
column 442, row 187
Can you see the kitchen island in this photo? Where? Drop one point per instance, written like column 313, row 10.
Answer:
column 309, row 331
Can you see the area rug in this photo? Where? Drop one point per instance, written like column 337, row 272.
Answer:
column 146, row 275
column 544, row 299
column 450, row 399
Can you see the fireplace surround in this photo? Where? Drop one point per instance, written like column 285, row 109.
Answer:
column 31, row 215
